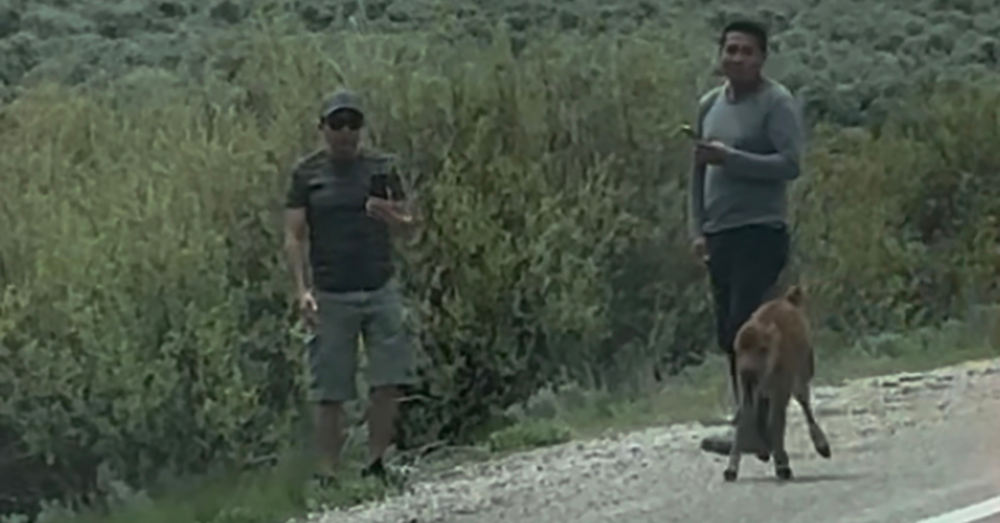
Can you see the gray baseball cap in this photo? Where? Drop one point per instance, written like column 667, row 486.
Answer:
column 342, row 99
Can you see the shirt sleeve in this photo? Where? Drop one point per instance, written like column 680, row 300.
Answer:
column 297, row 195
column 784, row 130
column 696, row 191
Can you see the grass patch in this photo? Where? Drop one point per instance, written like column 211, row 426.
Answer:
column 551, row 417
column 533, row 434
column 271, row 495
column 701, row 394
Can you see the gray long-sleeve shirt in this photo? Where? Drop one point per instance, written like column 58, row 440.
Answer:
column 766, row 135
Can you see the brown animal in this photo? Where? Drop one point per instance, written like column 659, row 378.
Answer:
column 774, row 361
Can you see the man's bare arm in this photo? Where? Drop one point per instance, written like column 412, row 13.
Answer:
column 295, row 246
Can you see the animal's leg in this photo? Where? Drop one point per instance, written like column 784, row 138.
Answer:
column 745, row 402
column 763, row 408
column 816, row 433
column 779, row 408
column 733, row 469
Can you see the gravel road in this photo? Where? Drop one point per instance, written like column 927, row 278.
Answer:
column 905, row 447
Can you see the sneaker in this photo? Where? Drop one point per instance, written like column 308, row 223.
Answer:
column 718, row 444
column 721, row 444
column 325, row 480
column 375, row 468
column 387, row 476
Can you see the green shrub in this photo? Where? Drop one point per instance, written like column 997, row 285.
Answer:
column 144, row 322
column 141, row 324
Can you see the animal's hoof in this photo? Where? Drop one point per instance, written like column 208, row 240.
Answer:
column 784, row 473
column 764, row 456
column 824, row 450
column 729, row 475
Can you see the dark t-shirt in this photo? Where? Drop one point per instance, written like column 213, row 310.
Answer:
column 348, row 250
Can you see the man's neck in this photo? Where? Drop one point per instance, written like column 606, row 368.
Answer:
column 341, row 156
column 739, row 91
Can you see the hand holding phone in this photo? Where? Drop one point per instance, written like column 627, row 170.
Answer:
column 379, row 187
column 381, row 202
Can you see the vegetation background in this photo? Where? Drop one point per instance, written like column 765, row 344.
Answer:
column 146, row 332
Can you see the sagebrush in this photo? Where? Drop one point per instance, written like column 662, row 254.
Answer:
column 146, row 325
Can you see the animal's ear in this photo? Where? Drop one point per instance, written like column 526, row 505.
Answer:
column 796, row 295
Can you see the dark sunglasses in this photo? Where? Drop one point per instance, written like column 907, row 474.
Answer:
column 338, row 122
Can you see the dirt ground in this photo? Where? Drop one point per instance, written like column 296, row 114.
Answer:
column 905, row 447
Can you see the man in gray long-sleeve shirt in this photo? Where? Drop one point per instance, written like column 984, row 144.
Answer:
column 750, row 141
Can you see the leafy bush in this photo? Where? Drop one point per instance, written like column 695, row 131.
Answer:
column 141, row 323
column 145, row 327
column 845, row 59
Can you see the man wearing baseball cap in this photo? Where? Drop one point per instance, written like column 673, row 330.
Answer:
column 343, row 204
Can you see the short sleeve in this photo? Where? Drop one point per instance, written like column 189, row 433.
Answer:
column 297, row 195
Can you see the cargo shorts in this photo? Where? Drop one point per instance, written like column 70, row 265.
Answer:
column 377, row 317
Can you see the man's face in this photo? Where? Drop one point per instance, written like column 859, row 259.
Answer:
column 742, row 58
column 342, row 132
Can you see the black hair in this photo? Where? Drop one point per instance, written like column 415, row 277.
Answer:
column 752, row 28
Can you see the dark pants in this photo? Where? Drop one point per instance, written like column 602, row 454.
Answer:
column 744, row 265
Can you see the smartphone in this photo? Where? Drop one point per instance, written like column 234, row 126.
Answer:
column 379, row 187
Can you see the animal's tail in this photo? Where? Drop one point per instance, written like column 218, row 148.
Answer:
column 795, row 295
